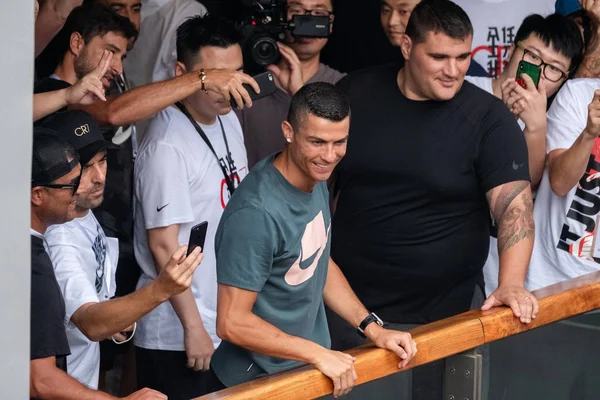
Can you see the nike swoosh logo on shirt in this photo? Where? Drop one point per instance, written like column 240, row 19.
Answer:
column 304, row 264
column 314, row 241
column 159, row 209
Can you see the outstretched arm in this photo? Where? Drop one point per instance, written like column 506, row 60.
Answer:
column 145, row 101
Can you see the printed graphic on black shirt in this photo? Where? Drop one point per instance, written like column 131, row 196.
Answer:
column 99, row 248
column 578, row 234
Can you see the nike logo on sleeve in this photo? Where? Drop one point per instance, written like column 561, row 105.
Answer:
column 159, row 209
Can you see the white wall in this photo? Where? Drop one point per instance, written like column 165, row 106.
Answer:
column 16, row 70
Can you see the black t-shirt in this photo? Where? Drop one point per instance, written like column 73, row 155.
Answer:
column 48, row 336
column 411, row 227
column 49, row 85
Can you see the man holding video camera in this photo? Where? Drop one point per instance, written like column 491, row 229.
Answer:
column 190, row 160
column 300, row 63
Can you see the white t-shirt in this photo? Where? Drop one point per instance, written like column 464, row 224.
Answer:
column 495, row 24
column 85, row 262
column 565, row 226
column 178, row 180
column 153, row 56
column 492, row 264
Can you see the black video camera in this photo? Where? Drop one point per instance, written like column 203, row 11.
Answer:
column 267, row 23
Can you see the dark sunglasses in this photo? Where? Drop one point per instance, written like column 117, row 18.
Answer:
column 73, row 186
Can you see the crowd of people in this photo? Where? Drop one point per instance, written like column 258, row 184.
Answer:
column 349, row 206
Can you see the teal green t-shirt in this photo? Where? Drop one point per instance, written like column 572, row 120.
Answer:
column 274, row 239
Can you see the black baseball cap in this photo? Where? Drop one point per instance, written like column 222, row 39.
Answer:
column 50, row 157
column 79, row 128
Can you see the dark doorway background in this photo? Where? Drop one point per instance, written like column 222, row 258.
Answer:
column 357, row 41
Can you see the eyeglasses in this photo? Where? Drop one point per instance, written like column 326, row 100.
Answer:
column 317, row 12
column 552, row 73
column 73, row 186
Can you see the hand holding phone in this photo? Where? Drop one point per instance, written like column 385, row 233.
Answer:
column 266, row 83
column 197, row 237
column 533, row 71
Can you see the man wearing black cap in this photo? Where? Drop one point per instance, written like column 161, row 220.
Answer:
column 84, row 259
column 55, row 177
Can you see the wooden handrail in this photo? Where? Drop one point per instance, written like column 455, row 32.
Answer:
column 435, row 341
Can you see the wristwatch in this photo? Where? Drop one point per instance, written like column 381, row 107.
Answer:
column 363, row 325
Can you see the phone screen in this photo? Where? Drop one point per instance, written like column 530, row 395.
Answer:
column 197, row 237
column 534, row 72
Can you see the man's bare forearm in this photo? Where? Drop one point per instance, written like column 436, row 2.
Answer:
column 566, row 169
column 340, row 298
column 184, row 304
column 99, row 321
column 46, row 103
column 513, row 211
column 144, row 101
column 49, row 382
column 536, row 147
column 242, row 327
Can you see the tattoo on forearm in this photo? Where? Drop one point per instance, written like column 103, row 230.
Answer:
column 507, row 194
column 516, row 224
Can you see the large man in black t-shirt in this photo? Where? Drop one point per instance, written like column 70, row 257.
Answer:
column 430, row 156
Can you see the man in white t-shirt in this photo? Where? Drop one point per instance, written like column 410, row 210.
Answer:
column 85, row 260
column 554, row 43
column 495, row 25
column 568, row 204
column 183, row 179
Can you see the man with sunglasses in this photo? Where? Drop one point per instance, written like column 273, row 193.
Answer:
column 55, row 177
column 85, row 260
column 300, row 63
column 554, row 45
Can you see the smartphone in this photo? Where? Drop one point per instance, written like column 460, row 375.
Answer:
column 197, row 236
column 534, row 72
column 266, row 82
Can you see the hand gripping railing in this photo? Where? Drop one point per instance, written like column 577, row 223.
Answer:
column 435, row 341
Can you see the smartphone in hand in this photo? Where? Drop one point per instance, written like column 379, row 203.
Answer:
column 266, row 82
column 197, row 237
column 534, row 72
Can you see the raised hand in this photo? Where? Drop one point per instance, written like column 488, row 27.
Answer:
column 176, row 276
column 593, row 121
column 90, row 88
column 229, row 83
column 289, row 73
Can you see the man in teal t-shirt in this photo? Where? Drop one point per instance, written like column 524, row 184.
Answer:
column 273, row 267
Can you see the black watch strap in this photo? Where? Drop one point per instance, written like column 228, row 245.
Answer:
column 368, row 320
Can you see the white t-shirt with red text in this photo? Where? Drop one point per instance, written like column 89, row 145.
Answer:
column 178, row 180
column 566, row 243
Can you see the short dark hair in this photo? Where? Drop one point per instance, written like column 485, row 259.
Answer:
column 438, row 16
column 556, row 31
column 89, row 20
column 201, row 31
column 320, row 99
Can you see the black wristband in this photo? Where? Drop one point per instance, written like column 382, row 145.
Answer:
column 368, row 320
